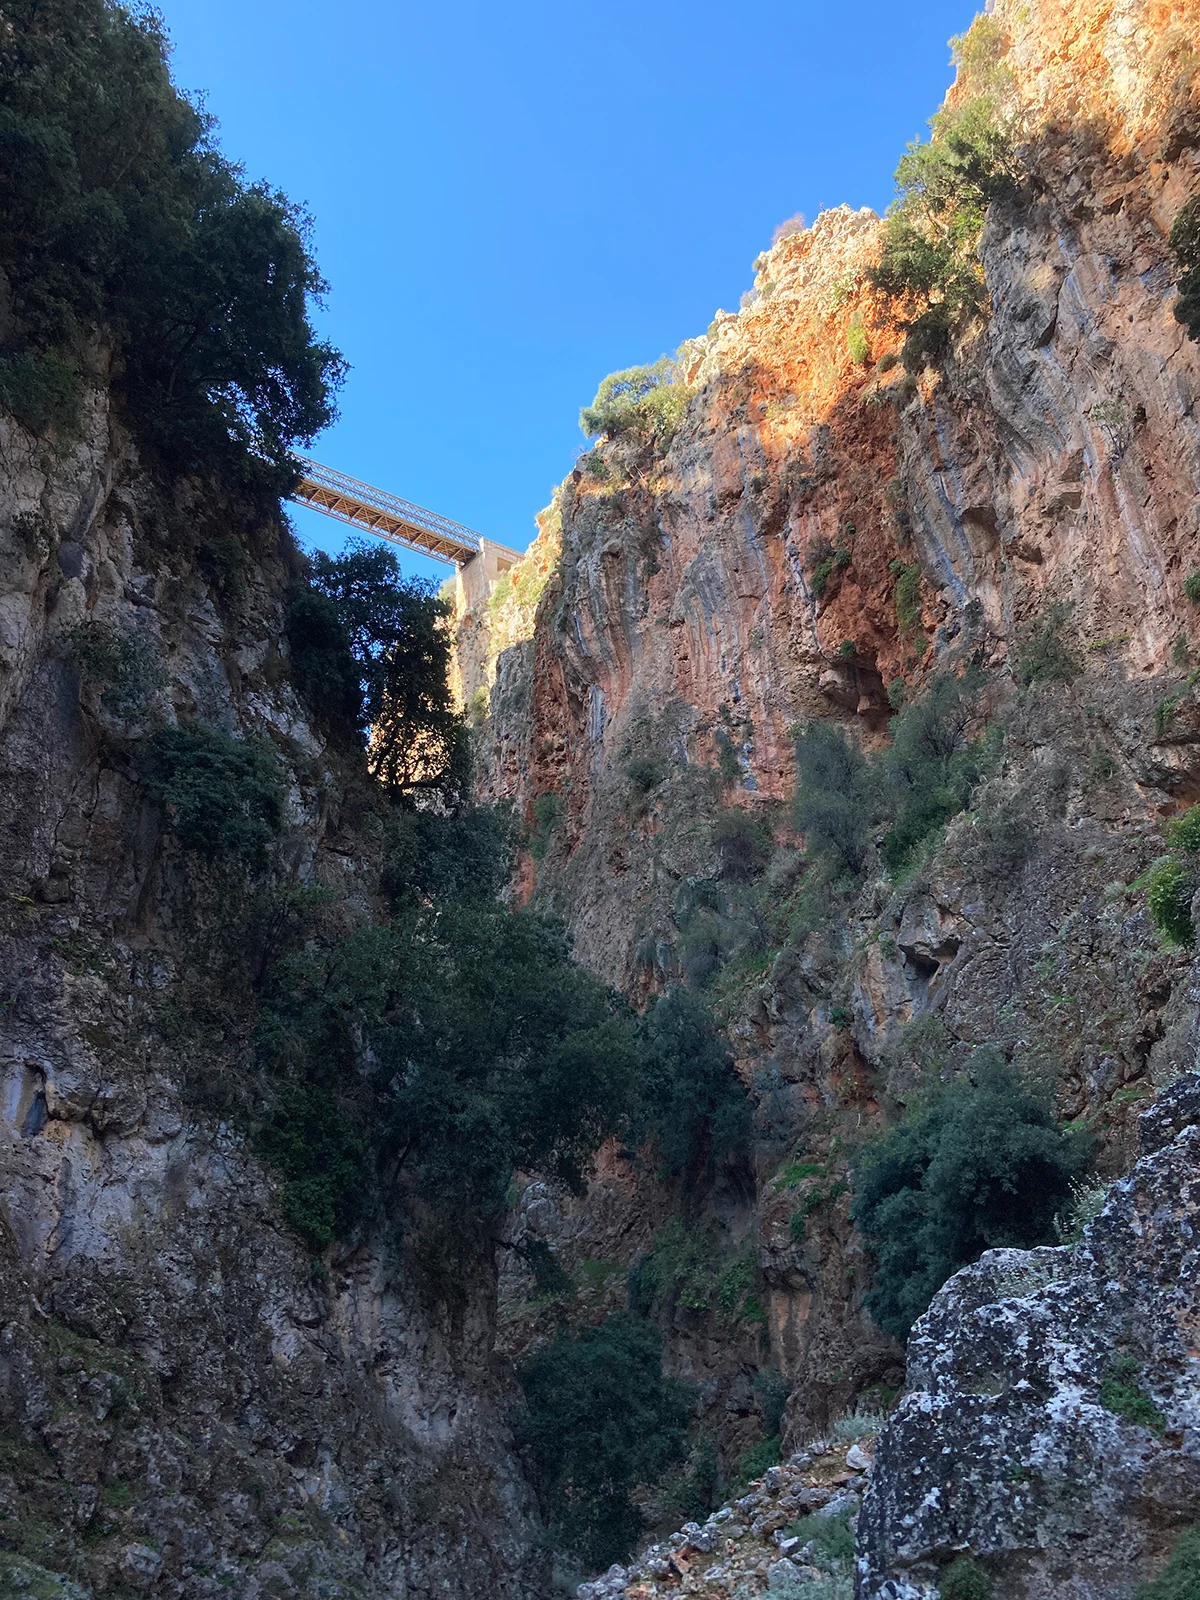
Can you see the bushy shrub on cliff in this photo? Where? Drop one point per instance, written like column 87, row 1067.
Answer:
column 432, row 1057
column 836, row 798
column 932, row 766
column 1173, row 884
column 221, row 797
column 1046, row 653
column 371, row 654
column 964, row 1579
column 117, row 211
column 548, row 811
column 743, row 844
column 1180, row 1580
column 927, row 268
column 600, row 1419
column 1185, row 241
column 123, row 664
column 979, row 1163
column 692, row 1103
column 647, row 402
column 923, row 779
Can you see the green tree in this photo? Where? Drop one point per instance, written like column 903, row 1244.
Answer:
column 692, row 1102
column 648, row 402
column 502, row 1054
column 433, row 1057
column 977, row 1165
column 1185, row 242
column 836, row 797
column 323, row 668
column 464, row 856
column 374, row 648
column 932, row 765
column 928, row 268
column 222, row 797
column 118, row 211
column 600, row 1419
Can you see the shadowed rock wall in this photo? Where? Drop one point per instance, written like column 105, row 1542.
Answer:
column 189, row 1406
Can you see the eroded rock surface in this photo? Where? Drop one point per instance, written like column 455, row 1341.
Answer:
column 682, row 637
column 1051, row 1427
column 189, row 1405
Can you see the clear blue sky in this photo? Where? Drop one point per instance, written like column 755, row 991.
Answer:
column 512, row 200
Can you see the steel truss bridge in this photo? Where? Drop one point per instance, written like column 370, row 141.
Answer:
column 388, row 517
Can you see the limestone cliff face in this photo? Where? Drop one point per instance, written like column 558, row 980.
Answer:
column 1057, row 454
column 187, row 1407
column 1054, row 457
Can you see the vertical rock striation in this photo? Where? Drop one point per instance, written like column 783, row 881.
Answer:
column 825, row 527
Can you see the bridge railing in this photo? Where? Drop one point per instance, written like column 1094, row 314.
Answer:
column 384, row 515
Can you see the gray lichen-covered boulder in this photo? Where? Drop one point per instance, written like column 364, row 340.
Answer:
column 1051, row 1428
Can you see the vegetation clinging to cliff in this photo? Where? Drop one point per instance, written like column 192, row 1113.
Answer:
column 1180, row 1580
column 979, row 1164
column 691, row 1102
column 928, row 270
column 372, row 651
column 835, row 798
column 600, row 1420
column 1173, row 884
column 926, row 777
column 646, row 402
column 933, row 764
column 1185, row 241
column 412, row 1040
column 118, row 214
column 432, row 1056
column 221, row 796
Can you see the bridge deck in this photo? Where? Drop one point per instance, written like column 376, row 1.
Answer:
column 386, row 515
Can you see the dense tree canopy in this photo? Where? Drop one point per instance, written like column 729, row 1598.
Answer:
column 979, row 1164
column 692, row 1103
column 221, row 797
column 600, row 1419
column 371, row 650
column 443, row 1051
column 119, row 216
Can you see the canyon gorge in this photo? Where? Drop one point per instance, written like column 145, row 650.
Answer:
column 847, row 695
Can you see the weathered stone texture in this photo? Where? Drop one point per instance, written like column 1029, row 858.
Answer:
column 188, row 1408
column 1055, row 456
column 1003, row 1444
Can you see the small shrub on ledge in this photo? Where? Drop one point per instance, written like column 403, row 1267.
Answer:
column 646, row 402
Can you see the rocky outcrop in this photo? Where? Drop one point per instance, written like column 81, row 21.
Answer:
column 789, row 1530
column 189, row 1405
column 1051, row 1427
column 713, row 597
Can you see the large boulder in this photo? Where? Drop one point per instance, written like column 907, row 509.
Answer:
column 1050, row 1433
